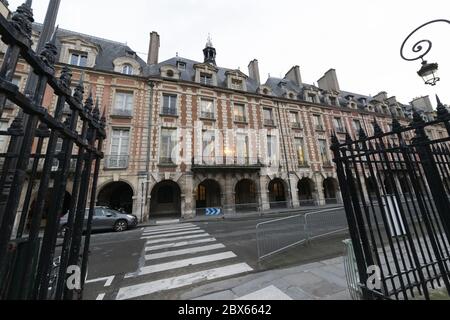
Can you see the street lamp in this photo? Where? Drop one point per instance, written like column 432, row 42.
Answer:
column 428, row 72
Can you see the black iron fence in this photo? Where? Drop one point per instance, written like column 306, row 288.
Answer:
column 396, row 190
column 29, row 223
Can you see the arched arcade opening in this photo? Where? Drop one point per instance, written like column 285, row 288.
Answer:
column 165, row 200
column 277, row 194
column 246, row 196
column 116, row 196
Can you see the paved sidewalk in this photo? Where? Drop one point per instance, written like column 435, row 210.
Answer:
column 316, row 281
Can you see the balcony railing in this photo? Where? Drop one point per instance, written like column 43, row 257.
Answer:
column 122, row 113
column 240, row 119
column 269, row 122
column 320, row 127
column 303, row 163
column 116, row 162
column 169, row 112
column 340, row 129
column 296, row 125
column 208, row 115
column 167, row 161
column 221, row 161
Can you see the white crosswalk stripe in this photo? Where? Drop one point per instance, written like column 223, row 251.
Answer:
column 178, row 244
column 148, row 288
column 168, row 254
column 169, row 228
column 173, row 234
column 178, row 256
column 150, row 242
column 167, row 232
column 182, row 263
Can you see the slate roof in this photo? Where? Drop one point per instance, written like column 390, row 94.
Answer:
column 109, row 50
column 189, row 73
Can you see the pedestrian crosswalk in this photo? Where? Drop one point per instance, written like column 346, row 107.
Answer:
column 178, row 256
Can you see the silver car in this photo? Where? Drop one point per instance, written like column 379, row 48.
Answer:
column 105, row 219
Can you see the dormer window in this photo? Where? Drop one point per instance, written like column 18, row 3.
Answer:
column 181, row 66
column 333, row 101
column 206, row 79
column 78, row 59
column 312, row 98
column 236, row 84
column 127, row 69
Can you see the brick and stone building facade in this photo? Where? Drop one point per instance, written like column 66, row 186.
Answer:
column 187, row 135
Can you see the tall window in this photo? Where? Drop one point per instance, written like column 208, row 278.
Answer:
column 15, row 81
column 338, row 125
column 242, row 146
column 168, row 145
column 272, row 147
column 3, row 139
column 357, row 126
column 323, row 149
column 78, row 59
column 209, row 146
column 120, row 143
column 207, row 109
column 169, row 105
column 127, row 69
column 123, row 104
column 300, row 149
column 206, row 78
column 58, row 149
column 318, row 122
column 268, row 117
column 295, row 119
column 239, row 113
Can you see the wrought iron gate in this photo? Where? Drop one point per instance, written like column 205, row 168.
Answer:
column 396, row 189
column 27, row 247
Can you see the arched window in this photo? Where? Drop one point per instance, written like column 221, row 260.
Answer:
column 127, row 69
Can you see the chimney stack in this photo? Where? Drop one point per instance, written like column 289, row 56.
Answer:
column 423, row 103
column 329, row 81
column 253, row 71
column 294, row 75
column 153, row 51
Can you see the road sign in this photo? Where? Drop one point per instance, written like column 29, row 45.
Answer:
column 213, row 212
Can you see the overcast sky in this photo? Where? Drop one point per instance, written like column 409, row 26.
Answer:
column 361, row 39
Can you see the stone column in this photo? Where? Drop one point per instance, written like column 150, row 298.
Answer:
column 294, row 191
column 229, row 196
column 264, row 193
column 188, row 210
column 319, row 195
column 139, row 200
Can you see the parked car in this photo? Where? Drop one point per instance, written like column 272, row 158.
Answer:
column 105, row 219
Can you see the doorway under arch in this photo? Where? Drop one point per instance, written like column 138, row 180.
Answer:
column 166, row 200
column 277, row 194
column 116, row 196
column 208, row 195
column 306, row 189
column 246, row 196
column 330, row 190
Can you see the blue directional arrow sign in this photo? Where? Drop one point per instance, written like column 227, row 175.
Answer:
column 213, row 212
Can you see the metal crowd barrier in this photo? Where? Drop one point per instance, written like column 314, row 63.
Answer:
column 276, row 236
